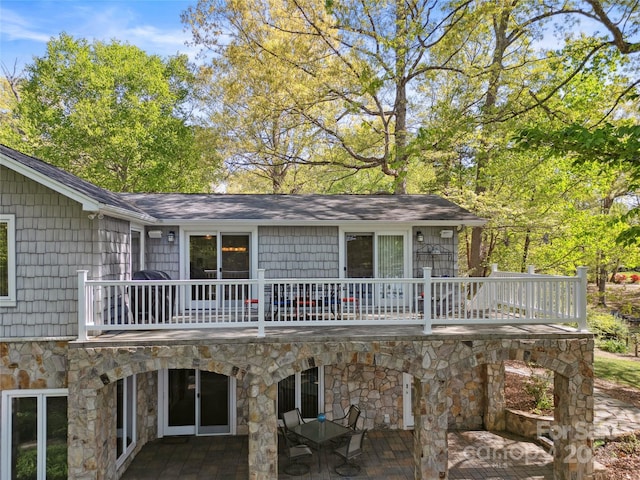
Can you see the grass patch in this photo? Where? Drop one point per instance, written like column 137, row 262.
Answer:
column 618, row 370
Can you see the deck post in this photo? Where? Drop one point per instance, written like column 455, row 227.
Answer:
column 261, row 296
column 82, row 304
column 581, row 300
column 531, row 299
column 426, row 303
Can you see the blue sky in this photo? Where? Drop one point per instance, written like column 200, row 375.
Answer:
column 153, row 25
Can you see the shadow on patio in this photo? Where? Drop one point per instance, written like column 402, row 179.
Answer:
column 388, row 455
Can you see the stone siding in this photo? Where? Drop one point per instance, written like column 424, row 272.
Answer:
column 435, row 364
column 298, row 252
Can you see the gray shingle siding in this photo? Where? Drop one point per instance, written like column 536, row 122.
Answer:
column 54, row 239
column 298, row 252
column 162, row 255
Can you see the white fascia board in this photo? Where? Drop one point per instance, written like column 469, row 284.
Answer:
column 124, row 214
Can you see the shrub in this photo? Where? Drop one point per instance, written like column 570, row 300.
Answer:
column 538, row 387
column 635, row 278
column 611, row 345
column 606, row 326
column 619, row 278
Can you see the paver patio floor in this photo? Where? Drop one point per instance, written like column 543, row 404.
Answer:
column 388, row 456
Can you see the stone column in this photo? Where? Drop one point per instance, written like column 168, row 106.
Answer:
column 430, row 429
column 263, row 431
column 572, row 431
column 82, row 454
column 494, row 404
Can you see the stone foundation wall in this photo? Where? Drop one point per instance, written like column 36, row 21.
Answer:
column 468, row 400
column 377, row 392
column 447, row 371
column 33, row 364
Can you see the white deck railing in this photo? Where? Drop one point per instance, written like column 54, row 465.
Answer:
column 502, row 298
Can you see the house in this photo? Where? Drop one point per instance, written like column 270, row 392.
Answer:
column 264, row 303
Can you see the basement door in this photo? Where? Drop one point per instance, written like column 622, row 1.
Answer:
column 195, row 402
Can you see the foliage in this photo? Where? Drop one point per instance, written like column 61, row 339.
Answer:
column 612, row 345
column 26, row 466
column 115, row 116
column 537, row 385
column 614, row 146
column 607, row 327
column 630, row 444
column 619, row 278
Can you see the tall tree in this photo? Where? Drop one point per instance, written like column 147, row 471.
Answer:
column 116, row 116
column 362, row 58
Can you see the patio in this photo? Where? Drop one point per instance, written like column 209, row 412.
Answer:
column 388, row 456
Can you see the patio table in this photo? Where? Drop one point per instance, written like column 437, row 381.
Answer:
column 320, row 433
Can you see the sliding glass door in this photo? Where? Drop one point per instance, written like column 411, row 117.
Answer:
column 375, row 255
column 214, row 256
column 197, row 402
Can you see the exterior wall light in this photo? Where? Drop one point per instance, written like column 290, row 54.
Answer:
column 419, row 236
column 171, row 236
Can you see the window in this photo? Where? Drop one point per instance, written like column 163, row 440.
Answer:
column 34, row 434
column 302, row 390
column 125, row 418
column 7, row 261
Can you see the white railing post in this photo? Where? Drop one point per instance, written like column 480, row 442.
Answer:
column 581, row 299
column 426, row 303
column 261, row 286
column 530, row 301
column 82, row 304
column 494, row 268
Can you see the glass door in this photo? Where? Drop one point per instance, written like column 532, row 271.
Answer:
column 360, row 264
column 235, row 266
column 212, row 403
column 371, row 255
column 390, row 264
column 197, row 402
column 218, row 256
column 203, row 265
column 302, row 390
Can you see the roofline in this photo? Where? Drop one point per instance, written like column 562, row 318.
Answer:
column 88, row 203
column 287, row 222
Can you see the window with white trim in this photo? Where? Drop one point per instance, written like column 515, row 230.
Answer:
column 34, row 434
column 125, row 418
column 303, row 390
column 7, row 260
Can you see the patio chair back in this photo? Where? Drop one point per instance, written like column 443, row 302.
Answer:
column 352, row 417
column 291, row 418
column 350, row 450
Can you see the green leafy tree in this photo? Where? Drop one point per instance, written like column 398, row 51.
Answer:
column 116, row 116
